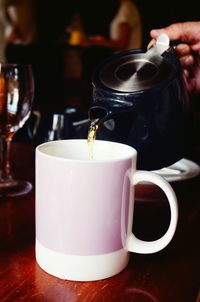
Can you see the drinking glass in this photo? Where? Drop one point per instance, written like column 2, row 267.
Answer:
column 16, row 98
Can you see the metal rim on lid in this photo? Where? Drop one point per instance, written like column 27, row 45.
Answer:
column 133, row 72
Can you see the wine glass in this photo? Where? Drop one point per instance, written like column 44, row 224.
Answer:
column 16, row 98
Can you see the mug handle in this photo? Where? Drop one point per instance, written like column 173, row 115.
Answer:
column 133, row 244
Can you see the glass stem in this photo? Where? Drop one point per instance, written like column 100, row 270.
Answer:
column 5, row 172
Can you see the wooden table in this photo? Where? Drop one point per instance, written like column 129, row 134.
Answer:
column 172, row 275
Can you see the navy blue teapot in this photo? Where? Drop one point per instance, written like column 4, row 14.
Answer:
column 140, row 99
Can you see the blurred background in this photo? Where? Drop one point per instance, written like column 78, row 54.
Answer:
column 65, row 40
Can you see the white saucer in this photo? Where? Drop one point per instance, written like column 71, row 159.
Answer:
column 181, row 170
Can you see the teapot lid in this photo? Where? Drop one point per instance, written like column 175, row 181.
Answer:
column 133, row 70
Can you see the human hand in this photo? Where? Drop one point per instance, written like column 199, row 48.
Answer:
column 187, row 34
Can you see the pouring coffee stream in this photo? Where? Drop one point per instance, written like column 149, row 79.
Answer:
column 148, row 88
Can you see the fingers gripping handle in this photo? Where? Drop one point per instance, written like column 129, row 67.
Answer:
column 136, row 245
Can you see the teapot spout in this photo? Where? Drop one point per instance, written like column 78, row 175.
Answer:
column 104, row 110
column 98, row 113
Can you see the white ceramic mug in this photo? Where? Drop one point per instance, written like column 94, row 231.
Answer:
column 84, row 209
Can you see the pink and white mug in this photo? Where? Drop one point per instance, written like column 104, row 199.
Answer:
column 84, row 209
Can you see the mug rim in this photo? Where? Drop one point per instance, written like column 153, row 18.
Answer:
column 129, row 154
